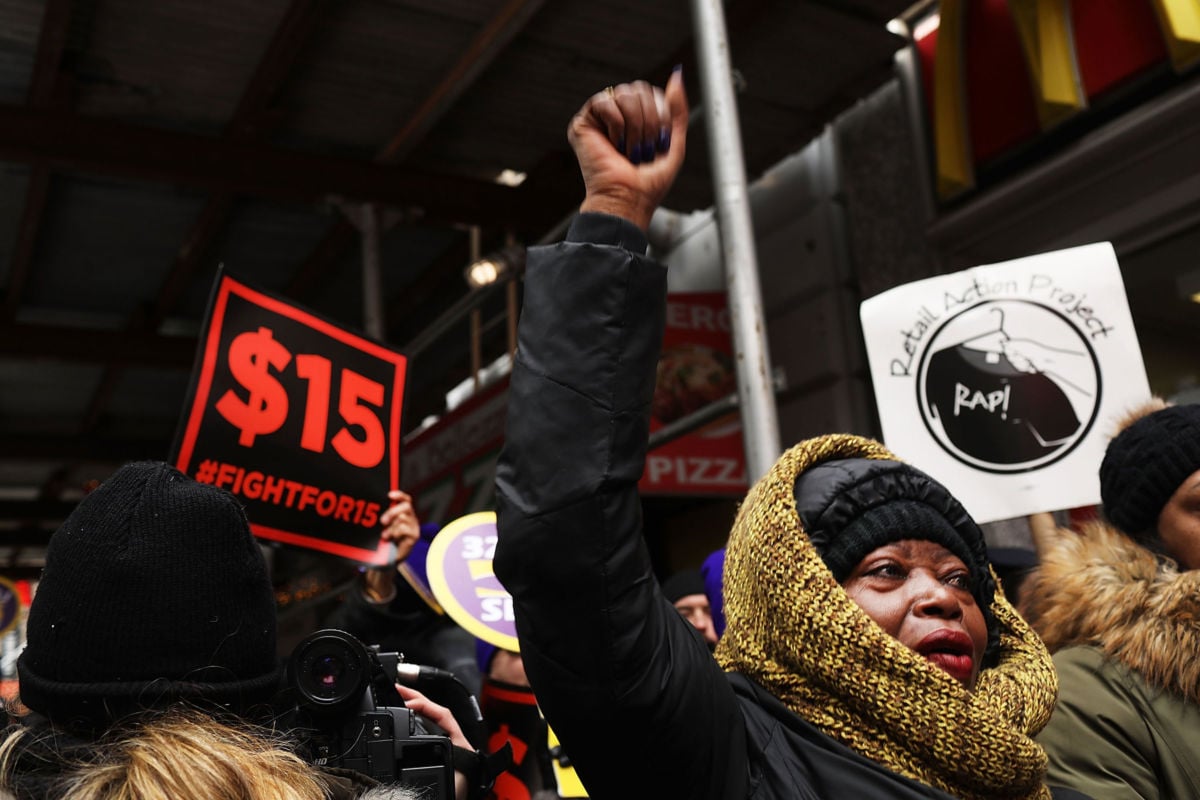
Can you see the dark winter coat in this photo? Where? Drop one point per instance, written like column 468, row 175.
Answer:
column 629, row 686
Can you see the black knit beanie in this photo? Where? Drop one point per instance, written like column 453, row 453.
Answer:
column 1146, row 463
column 154, row 591
column 850, row 507
column 890, row 522
column 682, row 584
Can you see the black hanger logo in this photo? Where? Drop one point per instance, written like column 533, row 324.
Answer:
column 1008, row 386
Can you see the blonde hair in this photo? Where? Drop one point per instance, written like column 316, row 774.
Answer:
column 178, row 753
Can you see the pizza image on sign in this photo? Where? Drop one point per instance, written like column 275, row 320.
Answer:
column 689, row 377
column 695, row 369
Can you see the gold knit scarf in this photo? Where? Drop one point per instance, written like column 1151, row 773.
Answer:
column 794, row 631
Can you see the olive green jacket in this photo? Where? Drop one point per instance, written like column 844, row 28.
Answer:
column 1124, row 627
column 1112, row 735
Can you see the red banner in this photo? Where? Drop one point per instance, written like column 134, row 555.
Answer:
column 297, row 417
column 695, row 369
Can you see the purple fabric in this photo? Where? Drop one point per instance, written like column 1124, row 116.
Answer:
column 416, row 560
column 713, row 570
column 420, row 552
column 430, row 530
column 484, row 653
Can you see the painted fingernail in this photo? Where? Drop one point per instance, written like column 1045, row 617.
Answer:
column 648, row 151
column 621, row 144
column 664, row 139
column 677, row 68
column 635, row 153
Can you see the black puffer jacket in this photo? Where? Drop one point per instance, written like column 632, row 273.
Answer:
column 629, row 686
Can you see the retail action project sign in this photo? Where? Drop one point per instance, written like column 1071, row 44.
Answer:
column 297, row 417
column 1005, row 381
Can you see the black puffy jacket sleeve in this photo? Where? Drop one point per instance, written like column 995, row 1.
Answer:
column 640, row 706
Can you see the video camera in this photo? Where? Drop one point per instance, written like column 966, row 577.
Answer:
column 349, row 715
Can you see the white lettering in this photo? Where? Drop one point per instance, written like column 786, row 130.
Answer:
column 990, row 402
column 474, row 547
column 695, row 471
column 495, row 609
column 658, row 467
column 687, row 317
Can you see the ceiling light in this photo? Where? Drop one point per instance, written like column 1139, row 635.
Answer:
column 1188, row 285
column 510, row 177
column 498, row 265
column 483, row 272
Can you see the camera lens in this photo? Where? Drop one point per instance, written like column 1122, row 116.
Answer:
column 327, row 670
column 330, row 672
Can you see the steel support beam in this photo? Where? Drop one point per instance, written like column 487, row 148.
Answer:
column 93, row 346
column 46, row 90
column 121, row 150
column 246, row 124
column 479, row 54
column 491, row 40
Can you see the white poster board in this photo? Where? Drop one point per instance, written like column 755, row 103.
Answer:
column 1005, row 381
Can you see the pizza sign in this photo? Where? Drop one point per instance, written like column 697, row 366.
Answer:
column 695, row 369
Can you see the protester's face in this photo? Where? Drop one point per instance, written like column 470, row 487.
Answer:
column 695, row 609
column 1179, row 523
column 920, row 593
column 508, row 667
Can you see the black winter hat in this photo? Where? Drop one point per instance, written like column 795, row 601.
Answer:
column 1146, row 463
column 682, row 584
column 891, row 522
column 849, row 507
column 154, row 590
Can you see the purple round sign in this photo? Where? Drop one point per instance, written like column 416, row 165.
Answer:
column 10, row 605
column 463, row 581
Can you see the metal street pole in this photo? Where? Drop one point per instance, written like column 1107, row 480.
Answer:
column 760, row 421
column 372, row 272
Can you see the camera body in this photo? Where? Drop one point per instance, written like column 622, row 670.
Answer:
column 350, row 715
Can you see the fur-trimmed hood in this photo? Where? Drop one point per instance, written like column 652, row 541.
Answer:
column 1098, row 587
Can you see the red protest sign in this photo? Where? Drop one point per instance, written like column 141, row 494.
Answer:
column 297, row 417
column 695, row 369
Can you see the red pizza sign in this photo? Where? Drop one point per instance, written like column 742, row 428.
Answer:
column 695, row 369
column 297, row 417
